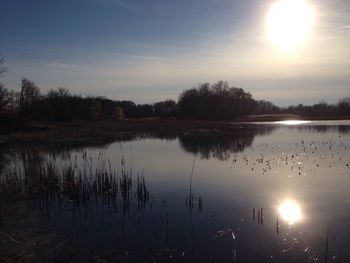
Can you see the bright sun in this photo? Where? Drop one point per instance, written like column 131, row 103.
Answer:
column 289, row 23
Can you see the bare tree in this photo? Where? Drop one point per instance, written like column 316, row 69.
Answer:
column 3, row 92
column 3, row 98
column 29, row 93
column 14, row 101
column 59, row 93
column 345, row 100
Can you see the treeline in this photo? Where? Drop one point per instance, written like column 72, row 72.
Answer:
column 204, row 102
column 342, row 108
column 60, row 105
column 214, row 102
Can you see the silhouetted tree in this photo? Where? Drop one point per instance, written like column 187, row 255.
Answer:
column 145, row 111
column 345, row 101
column 265, row 107
column 59, row 93
column 4, row 98
column 96, row 110
column 216, row 102
column 29, row 94
column 3, row 92
column 344, row 106
column 13, row 101
column 165, row 109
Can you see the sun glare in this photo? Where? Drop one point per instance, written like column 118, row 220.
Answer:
column 289, row 23
column 290, row 211
column 292, row 122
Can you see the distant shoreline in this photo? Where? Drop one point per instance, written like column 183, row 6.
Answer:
column 79, row 131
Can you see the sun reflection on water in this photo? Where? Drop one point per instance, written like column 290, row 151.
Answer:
column 292, row 122
column 290, row 211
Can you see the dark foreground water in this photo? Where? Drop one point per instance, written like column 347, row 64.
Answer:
column 266, row 193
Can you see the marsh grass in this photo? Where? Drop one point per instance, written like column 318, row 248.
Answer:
column 49, row 188
column 80, row 180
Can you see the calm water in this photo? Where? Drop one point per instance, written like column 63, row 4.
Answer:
column 266, row 193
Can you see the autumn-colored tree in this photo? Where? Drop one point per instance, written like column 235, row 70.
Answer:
column 119, row 113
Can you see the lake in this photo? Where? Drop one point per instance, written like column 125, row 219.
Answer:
column 268, row 192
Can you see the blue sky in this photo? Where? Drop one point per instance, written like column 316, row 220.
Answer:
column 148, row 50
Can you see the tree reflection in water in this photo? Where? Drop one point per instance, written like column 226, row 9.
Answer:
column 219, row 145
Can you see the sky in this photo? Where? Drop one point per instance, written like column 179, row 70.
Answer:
column 151, row 50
